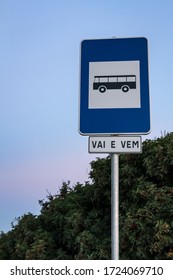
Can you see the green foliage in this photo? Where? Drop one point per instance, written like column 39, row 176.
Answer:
column 76, row 224
column 146, row 207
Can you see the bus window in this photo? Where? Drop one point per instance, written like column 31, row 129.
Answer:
column 112, row 79
column 103, row 79
column 131, row 79
column 96, row 79
column 121, row 79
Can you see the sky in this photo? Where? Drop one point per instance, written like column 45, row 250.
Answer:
column 40, row 146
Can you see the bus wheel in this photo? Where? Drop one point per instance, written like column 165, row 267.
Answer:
column 125, row 88
column 102, row 89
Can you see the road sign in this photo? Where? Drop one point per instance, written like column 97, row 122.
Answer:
column 114, row 87
column 115, row 144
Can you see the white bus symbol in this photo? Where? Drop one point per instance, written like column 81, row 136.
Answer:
column 123, row 82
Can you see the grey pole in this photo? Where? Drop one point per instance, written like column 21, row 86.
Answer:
column 115, row 206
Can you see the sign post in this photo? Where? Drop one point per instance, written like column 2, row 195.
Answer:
column 115, row 207
column 115, row 145
column 114, row 100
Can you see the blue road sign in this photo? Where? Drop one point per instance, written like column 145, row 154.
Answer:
column 114, row 87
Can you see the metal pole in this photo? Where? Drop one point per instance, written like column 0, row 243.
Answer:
column 115, row 206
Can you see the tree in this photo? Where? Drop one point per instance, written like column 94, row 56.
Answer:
column 75, row 223
column 146, row 207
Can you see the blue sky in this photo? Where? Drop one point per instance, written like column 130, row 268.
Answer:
column 40, row 146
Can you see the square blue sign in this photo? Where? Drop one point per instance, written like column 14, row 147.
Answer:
column 114, row 87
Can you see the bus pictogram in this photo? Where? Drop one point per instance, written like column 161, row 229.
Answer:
column 122, row 82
